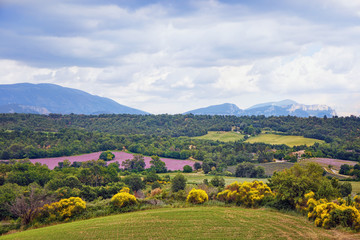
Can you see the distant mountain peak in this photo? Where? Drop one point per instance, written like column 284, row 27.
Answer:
column 285, row 102
column 45, row 98
column 281, row 108
column 221, row 109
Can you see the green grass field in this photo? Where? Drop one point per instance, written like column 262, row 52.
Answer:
column 195, row 178
column 210, row 222
column 280, row 139
column 355, row 187
column 221, row 136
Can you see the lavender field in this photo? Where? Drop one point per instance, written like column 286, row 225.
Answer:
column 171, row 164
column 325, row 162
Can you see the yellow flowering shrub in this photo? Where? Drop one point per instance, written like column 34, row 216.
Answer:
column 357, row 202
column 64, row 209
column 249, row 194
column 330, row 214
column 197, row 196
column 123, row 198
column 125, row 189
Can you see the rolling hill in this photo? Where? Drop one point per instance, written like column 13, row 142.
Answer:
column 189, row 223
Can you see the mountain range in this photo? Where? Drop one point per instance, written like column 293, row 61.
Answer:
column 281, row 108
column 47, row 98
column 50, row 98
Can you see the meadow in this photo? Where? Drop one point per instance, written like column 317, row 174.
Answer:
column 197, row 177
column 282, row 139
column 205, row 222
column 222, row 136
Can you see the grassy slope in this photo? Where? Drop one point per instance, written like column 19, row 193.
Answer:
column 221, row 136
column 280, row 139
column 189, row 223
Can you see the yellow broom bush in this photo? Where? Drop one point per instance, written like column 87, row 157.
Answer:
column 249, row 194
column 331, row 214
column 123, row 199
column 64, row 209
column 197, row 196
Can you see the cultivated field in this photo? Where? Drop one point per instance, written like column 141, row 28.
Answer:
column 171, row 164
column 207, row 222
column 325, row 162
column 281, row 139
column 222, row 136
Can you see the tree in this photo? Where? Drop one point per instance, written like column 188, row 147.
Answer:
column 197, row 166
column 137, row 164
column 249, row 170
column 292, row 184
column 107, row 156
column 8, row 193
column 134, row 182
column 28, row 205
column 158, row 165
column 178, row 183
column 218, row 181
column 345, row 169
column 187, row 169
column 206, row 167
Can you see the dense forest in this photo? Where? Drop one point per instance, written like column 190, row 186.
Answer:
column 35, row 136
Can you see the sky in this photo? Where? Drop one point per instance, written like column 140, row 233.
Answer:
column 175, row 56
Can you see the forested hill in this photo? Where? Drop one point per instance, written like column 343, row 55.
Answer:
column 328, row 129
column 32, row 135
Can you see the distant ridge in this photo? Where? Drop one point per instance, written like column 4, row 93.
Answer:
column 222, row 109
column 50, row 98
column 281, row 108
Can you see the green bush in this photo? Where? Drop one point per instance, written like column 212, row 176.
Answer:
column 218, row 181
column 107, row 156
column 187, row 169
column 134, row 182
column 178, row 183
column 155, row 185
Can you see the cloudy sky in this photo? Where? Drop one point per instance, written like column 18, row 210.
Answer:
column 174, row 56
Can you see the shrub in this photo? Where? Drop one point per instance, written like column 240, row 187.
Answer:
column 123, row 199
column 247, row 194
column 64, row 209
column 292, row 184
column 107, row 156
column 249, row 170
column 330, row 214
column 197, row 196
column 155, row 185
column 218, row 181
column 134, row 182
column 155, row 192
column 187, row 169
column 197, row 166
column 178, row 183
